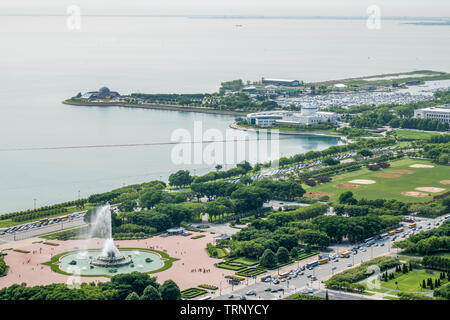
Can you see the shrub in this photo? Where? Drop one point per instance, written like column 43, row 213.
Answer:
column 192, row 293
column 207, row 286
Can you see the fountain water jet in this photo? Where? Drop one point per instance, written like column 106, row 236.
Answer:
column 110, row 256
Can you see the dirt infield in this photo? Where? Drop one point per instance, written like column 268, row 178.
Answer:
column 415, row 194
column 418, row 165
column 346, row 186
column 363, row 181
column 386, row 175
column 402, row 171
column 445, row 181
column 314, row 194
column 430, row 189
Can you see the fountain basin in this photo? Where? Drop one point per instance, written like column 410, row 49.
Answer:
column 95, row 264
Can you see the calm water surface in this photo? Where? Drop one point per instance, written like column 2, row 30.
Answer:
column 42, row 63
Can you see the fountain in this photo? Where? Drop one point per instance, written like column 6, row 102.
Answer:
column 108, row 259
column 110, row 256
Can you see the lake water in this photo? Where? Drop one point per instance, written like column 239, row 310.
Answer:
column 42, row 63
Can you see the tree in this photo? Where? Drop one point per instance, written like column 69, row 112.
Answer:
column 268, row 259
column 180, row 178
column 366, row 153
column 127, row 206
column 246, row 180
column 443, row 158
column 150, row 293
column 347, row 198
column 330, row 161
column 170, row 291
column 132, row 296
column 282, row 255
column 294, row 253
column 131, row 282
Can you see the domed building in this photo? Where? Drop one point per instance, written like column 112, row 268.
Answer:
column 102, row 94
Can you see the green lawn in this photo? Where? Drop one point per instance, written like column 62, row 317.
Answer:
column 410, row 281
column 246, row 261
column 411, row 134
column 389, row 188
column 380, row 290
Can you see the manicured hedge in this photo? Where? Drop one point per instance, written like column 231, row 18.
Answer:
column 303, row 296
column 251, row 271
column 192, row 293
column 208, row 287
column 230, row 265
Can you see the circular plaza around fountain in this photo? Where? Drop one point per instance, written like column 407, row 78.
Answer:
column 83, row 262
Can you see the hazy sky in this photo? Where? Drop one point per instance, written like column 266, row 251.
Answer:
column 436, row 8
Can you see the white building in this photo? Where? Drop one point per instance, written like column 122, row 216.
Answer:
column 337, row 86
column 309, row 115
column 441, row 113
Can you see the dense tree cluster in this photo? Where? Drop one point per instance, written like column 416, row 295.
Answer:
column 241, row 168
column 3, row 266
column 121, row 287
column 349, row 206
column 428, row 242
column 436, row 262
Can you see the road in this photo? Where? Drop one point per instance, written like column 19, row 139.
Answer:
column 42, row 230
column 321, row 272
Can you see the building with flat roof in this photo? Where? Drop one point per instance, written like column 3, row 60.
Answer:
column 440, row 113
column 309, row 115
column 175, row 231
column 281, row 82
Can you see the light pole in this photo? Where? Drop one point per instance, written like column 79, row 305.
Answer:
column 79, row 198
column 34, row 203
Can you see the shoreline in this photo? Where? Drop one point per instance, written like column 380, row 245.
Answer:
column 156, row 107
column 235, row 126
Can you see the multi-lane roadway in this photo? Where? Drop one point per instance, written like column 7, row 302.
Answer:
column 304, row 282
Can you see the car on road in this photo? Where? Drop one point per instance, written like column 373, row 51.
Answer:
column 230, row 296
column 333, row 268
column 268, row 290
column 349, row 265
column 243, row 298
column 251, row 293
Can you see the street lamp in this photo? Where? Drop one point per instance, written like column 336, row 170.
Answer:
column 34, row 203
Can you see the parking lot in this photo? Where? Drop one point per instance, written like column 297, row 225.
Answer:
column 43, row 226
